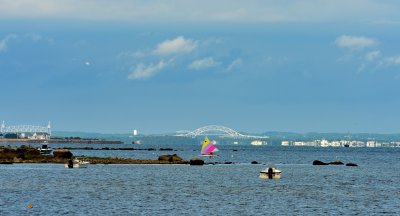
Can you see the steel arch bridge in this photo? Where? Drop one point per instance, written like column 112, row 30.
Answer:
column 25, row 129
column 226, row 132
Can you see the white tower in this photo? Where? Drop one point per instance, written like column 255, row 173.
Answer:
column 135, row 132
column 49, row 128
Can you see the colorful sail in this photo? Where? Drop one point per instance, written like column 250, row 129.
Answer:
column 208, row 147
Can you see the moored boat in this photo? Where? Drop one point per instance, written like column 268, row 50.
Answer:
column 258, row 142
column 136, row 142
column 270, row 173
column 76, row 163
column 45, row 150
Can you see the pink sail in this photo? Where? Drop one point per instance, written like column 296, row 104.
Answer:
column 208, row 147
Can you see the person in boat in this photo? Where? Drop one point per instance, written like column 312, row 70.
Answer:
column 70, row 163
column 270, row 173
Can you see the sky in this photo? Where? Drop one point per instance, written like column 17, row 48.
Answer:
column 163, row 66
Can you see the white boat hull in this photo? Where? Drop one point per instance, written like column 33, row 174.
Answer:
column 274, row 176
column 77, row 164
column 270, row 173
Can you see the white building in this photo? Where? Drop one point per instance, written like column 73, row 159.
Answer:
column 371, row 144
column 285, row 143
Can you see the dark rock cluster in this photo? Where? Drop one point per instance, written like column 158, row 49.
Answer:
column 196, row 161
column 62, row 153
column 170, row 158
column 337, row 162
column 27, row 154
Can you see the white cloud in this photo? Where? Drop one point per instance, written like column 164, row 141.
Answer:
column 236, row 63
column 390, row 61
column 178, row 45
column 31, row 36
column 37, row 37
column 371, row 56
column 203, row 63
column 142, row 71
column 4, row 41
column 355, row 42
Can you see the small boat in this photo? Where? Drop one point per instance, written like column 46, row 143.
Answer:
column 45, row 150
column 76, row 163
column 270, row 173
column 136, row 142
column 258, row 142
column 208, row 148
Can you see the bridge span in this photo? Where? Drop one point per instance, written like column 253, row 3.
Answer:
column 217, row 130
column 21, row 129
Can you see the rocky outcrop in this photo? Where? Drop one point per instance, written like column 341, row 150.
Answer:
column 62, row 153
column 254, row 162
column 351, row 164
column 18, row 154
column 317, row 162
column 25, row 154
column 170, row 158
column 9, row 155
column 196, row 161
column 337, row 162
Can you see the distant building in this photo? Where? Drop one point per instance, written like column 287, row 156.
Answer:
column 371, row 144
column 285, row 143
column 324, row 143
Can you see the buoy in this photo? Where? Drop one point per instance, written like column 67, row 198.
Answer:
column 30, row 205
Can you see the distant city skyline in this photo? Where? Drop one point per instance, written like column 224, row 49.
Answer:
column 164, row 66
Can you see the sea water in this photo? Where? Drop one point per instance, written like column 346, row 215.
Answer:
column 372, row 188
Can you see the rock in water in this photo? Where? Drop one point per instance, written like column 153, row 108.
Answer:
column 62, row 153
column 196, row 161
column 337, row 162
column 170, row 158
column 317, row 162
column 175, row 158
column 351, row 164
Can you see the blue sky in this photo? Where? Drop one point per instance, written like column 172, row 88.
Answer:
column 163, row 66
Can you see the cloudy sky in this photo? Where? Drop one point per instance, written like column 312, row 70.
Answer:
column 162, row 66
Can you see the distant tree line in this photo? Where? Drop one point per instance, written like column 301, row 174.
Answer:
column 11, row 136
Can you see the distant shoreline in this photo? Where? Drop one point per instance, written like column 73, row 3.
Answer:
column 77, row 141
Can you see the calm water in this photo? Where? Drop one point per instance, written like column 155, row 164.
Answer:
column 370, row 189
